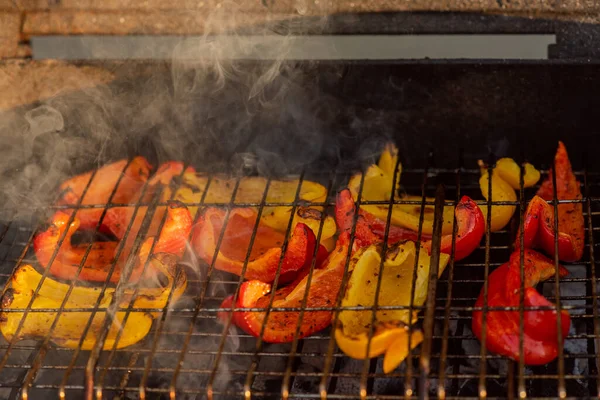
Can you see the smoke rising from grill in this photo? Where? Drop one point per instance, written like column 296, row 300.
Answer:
column 209, row 106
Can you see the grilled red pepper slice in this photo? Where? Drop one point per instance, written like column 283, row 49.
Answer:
column 540, row 343
column 280, row 326
column 538, row 229
column 471, row 227
column 172, row 239
column 369, row 229
column 102, row 186
column 265, row 254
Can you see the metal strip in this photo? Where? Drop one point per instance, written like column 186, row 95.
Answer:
column 436, row 241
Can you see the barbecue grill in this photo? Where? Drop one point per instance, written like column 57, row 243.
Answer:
column 330, row 121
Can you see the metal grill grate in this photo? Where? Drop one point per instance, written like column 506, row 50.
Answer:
column 188, row 354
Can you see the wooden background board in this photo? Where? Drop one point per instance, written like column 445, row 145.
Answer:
column 20, row 19
column 22, row 82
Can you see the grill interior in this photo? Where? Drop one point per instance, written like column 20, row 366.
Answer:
column 443, row 118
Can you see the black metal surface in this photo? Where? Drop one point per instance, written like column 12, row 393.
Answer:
column 443, row 118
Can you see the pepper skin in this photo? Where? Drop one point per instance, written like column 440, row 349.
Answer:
column 281, row 325
column 69, row 329
column 102, row 186
column 539, row 218
column 540, row 326
column 369, row 229
column 216, row 189
column 377, row 186
column 471, row 227
column 172, row 239
column 390, row 330
column 265, row 255
column 506, row 176
column 388, row 338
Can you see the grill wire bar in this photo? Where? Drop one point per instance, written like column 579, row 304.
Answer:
column 594, row 344
column 441, row 393
column 483, row 351
column 562, row 392
column 24, row 366
column 368, row 363
column 521, row 385
column 408, row 386
column 285, row 387
column 436, row 240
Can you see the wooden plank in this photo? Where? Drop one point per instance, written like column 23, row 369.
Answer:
column 26, row 81
column 8, row 5
column 313, row 7
column 137, row 22
column 10, row 25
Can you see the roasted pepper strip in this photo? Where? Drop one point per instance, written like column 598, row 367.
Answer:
column 395, row 290
column 102, row 186
column 540, row 327
column 172, row 239
column 506, row 176
column 251, row 190
column 265, row 254
column 471, row 227
column 377, row 186
column 70, row 326
column 281, row 325
column 539, row 218
column 369, row 229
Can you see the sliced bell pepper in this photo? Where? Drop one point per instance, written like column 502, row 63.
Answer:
column 280, row 327
column 369, row 229
column 251, row 190
column 506, row 176
column 70, row 326
column 540, row 343
column 395, row 290
column 538, row 226
column 172, row 239
column 164, row 176
column 471, row 227
column 100, row 189
column 265, row 254
column 388, row 338
column 377, row 186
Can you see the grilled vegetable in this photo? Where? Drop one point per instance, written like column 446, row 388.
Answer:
column 539, row 229
column 389, row 338
column 377, row 186
column 70, row 326
column 281, row 326
column 102, row 186
column 251, row 190
column 370, row 230
column 172, row 239
column 506, row 176
column 471, row 227
column 540, row 343
column 265, row 254
column 395, row 290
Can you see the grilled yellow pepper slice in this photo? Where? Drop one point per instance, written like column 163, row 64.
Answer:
column 396, row 286
column 69, row 328
column 377, row 186
column 251, row 190
column 505, row 180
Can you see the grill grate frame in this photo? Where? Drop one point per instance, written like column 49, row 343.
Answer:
column 186, row 351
